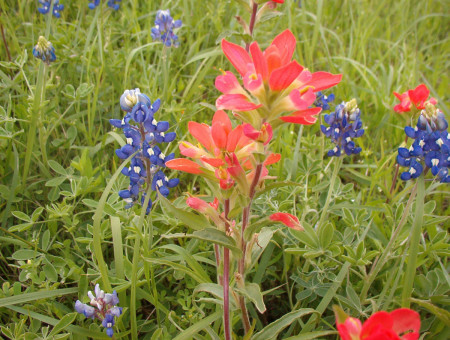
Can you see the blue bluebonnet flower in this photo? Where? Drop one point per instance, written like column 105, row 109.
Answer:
column 323, row 100
column 57, row 7
column 102, row 307
column 163, row 30
column 345, row 124
column 44, row 50
column 143, row 133
column 431, row 146
column 111, row 3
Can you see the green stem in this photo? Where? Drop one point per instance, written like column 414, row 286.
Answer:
column 97, row 230
column 414, row 243
column 337, row 167
column 42, row 132
column 35, row 113
column 134, row 268
column 39, row 97
column 378, row 264
column 165, row 63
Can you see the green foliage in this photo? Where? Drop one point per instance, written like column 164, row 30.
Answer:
column 63, row 226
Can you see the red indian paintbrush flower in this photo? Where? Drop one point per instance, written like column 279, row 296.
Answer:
column 273, row 83
column 288, row 220
column 417, row 97
column 400, row 324
column 222, row 153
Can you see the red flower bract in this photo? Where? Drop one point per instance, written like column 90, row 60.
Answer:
column 288, row 220
column 273, row 83
column 400, row 324
column 418, row 97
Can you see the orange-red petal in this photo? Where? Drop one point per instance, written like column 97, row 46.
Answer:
column 259, row 61
column 202, row 133
column 236, row 102
column 285, row 42
column 272, row 159
column 288, row 220
column 282, row 77
column 237, row 56
column 185, row 165
column 324, row 80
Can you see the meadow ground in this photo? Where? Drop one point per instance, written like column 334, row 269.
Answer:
column 59, row 203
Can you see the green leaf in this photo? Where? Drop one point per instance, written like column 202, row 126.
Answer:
column 54, row 182
column 27, row 297
column 441, row 313
column 326, row 233
column 50, row 272
column 273, row 329
column 218, row 237
column 189, row 259
column 312, row 335
column 253, row 292
column 63, row 323
column 192, row 220
column 25, row 254
column 22, row 216
column 37, row 213
column 307, row 236
column 45, row 239
column 197, row 327
column 83, row 90
column 87, row 333
column 69, row 91
column 57, row 167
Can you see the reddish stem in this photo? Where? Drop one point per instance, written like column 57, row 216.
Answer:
column 226, row 278
column 252, row 23
column 245, row 220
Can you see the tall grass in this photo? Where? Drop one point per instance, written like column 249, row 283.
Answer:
column 378, row 46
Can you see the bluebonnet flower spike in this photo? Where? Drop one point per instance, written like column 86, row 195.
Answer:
column 431, row 146
column 143, row 133
column 57, row 7
column 111, row 3
column 164, row 26
column 103, row 307
column 323, row 101
column 345, row 125
column 44, row 50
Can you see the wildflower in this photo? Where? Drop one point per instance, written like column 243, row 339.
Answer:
column 345, row 124
column 400, row 324
column 288, row 220
column 417, row 97
column 164, row 26
column 431, row 146
column 323, row 100
column 223, row 153
column 102, row 307
column 143, row 133
column 57, row 7
column 274, row 84
column 110, row 3
column 44, row 50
